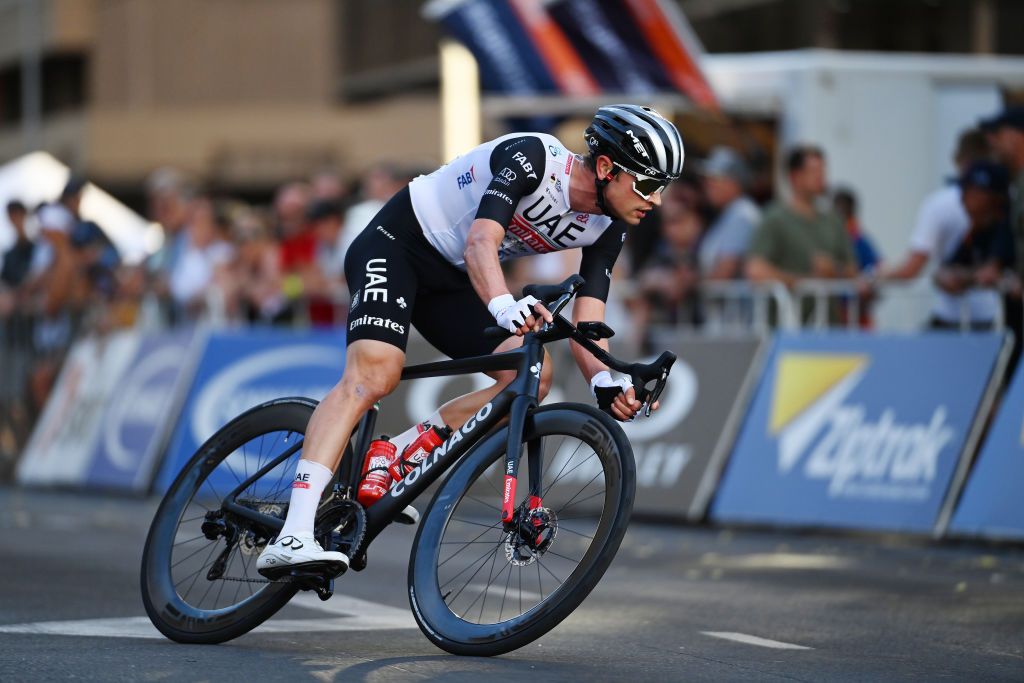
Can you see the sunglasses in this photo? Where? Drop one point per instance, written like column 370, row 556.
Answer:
column 645, row 186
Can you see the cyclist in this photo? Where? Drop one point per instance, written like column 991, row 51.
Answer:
column 432, row 258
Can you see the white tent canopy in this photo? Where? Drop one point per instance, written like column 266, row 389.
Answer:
column 38, row 177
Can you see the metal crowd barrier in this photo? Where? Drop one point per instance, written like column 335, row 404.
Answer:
column 741, row 306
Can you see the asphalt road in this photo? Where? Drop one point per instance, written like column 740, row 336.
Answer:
column 678, row 604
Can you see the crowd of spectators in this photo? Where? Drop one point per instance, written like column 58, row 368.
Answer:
column 228, row 262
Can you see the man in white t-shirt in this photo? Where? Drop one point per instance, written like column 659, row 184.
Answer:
column 941, row 221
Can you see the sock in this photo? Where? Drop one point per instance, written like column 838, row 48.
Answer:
column 311, row 478
column 410, row 434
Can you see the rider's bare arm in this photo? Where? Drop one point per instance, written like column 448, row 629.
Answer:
column 482, row 262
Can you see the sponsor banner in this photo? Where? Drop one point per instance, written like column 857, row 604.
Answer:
column 139, row 414
column 857, row 431
column 241, row 369
column 991, row 502
column 674, row 448
column 61, row 447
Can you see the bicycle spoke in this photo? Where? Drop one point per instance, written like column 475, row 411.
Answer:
column 582, row 500
column 560, row 581
column 466, row 521
column 465, row 546
column 190, row 556
column 471, row 564
column 504, row 595
column 559, row 476
column 565, row 528
column 580, row 464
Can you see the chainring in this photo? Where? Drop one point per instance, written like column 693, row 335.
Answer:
column 342, row 527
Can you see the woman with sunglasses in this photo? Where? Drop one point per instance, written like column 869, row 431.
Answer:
column 431, row 258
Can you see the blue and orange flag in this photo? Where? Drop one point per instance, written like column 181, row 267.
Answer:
column 579, row 47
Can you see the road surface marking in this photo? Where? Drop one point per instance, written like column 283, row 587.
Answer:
column 754, row 640
column 351, row 614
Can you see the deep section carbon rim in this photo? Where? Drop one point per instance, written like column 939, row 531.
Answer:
column 487, row 575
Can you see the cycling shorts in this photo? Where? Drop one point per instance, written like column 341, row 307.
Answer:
column 398, row 280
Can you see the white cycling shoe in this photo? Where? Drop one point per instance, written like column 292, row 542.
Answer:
column 299, row 552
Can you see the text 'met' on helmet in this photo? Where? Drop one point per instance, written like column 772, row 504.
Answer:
column 638, row 138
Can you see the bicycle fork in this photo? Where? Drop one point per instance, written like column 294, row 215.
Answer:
column 519, row 414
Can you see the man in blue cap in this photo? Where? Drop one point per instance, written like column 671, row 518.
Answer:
column 985, row 256
column 1005, row 133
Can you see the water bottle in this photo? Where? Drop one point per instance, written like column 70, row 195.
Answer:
column 376, row 478
column 423, row 445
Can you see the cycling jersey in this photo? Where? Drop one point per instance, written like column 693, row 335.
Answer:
column 521, row 181
column 406, row 268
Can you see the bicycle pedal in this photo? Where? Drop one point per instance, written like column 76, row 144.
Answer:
column 359, row 562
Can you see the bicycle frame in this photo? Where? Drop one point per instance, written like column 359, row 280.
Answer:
column 515, row 401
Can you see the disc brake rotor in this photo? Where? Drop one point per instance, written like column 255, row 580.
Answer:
column 532, row 537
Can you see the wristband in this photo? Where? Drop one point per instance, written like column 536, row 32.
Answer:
column 499, row 304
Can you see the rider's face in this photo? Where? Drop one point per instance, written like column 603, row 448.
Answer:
column 620, row 197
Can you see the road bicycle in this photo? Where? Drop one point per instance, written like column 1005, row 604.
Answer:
column 497, row 562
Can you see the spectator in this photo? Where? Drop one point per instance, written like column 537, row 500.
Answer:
column 297, row 244
column 796, row 240
column 724, row 245
column 199, row 281
column 256, row 276
column 168, row 196
column 327, row 185
column 941, row 218
column 379, row 184
column 666, row 285
column 1006, row 135
column 325, row 285
column 17, row 262
column 844, row 202
column 983, row 255
column 96, row 256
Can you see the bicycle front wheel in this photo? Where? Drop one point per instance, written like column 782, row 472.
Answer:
column 478, row 589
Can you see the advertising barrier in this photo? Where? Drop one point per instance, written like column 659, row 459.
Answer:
column 858, row 431
column 240, row 369
column 675, row 448
column 991, row 502
column 61, row 447
column 138, row 416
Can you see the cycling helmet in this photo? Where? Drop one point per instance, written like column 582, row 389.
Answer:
column 638, row 138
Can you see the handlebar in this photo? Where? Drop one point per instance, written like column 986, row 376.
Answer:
column 555, row 298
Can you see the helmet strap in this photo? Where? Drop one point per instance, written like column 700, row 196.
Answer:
column 599, row 185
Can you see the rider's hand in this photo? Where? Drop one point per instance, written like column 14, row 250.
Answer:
column 518, row 317
column 616, row 396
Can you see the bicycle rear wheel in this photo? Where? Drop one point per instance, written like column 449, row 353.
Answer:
column 199, row 579
column 477, row 589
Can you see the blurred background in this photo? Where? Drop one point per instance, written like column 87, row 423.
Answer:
column 182, row 177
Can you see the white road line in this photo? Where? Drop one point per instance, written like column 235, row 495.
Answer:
column 351, row 614
column 754, row 640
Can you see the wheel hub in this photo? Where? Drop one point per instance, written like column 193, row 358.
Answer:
column 531, row 536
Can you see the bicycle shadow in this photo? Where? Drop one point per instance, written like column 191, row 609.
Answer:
column 450, row 668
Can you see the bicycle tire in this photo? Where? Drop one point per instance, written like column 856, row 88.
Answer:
column 169, row 611
column 449, row 631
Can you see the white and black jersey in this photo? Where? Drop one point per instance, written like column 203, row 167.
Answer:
column 521, row 181
column 406, row 268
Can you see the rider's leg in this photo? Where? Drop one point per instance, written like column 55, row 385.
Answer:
column 372, row 371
